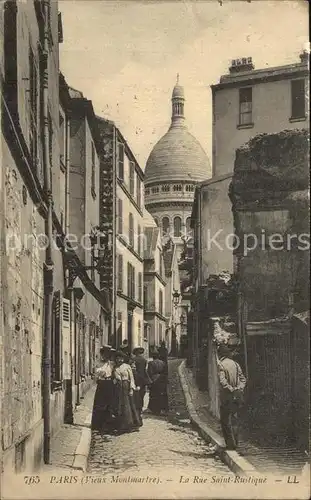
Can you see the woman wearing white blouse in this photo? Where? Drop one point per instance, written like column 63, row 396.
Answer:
column 127, row 418
column 102, row 417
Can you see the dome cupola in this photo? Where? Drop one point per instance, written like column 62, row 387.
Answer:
column 177, row 156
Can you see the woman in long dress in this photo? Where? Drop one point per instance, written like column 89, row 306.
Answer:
column 127, row 418
column 158, row 398
column 102, row 416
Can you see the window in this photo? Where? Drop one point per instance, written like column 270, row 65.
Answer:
column 140, row 287
column 245, row 106
column 177, row 227
column 130, row 281
column 161, row 265
column 177, row 187
column 121, row 161
column 131, row 230
column 50, row 125
column 139, row 240
column 132, row 178
column 165, row 225
column 93, row 171
column 120, row 216
column 298, row 98
column 61, row 140
column 120, row 273
column 119, row 328
column 56, row 337
column 165, row 188
column 190, row 188
column 155, row 190
column 147, row 191
column 160, row 302
column 146, row 302
column 138, row 191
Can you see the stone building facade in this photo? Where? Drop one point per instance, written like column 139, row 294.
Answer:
column 29, row 63
column 122, row 193
column 39, row 264
column 154, row 284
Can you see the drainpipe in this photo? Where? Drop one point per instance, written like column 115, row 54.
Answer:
column 69, row 395
column 48, row 265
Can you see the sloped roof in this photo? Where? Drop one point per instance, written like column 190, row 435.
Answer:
column 151, row 240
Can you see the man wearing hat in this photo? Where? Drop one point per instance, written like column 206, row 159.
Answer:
column 141, row 374
column 232, row 385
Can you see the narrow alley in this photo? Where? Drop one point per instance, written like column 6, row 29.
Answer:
column 162, row 443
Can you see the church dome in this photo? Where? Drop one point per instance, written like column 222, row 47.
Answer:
column 178, row 155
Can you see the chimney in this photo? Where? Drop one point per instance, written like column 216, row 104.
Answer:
column 241, row 65
column 304, row 57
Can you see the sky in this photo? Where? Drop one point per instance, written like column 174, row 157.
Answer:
column 125, row 55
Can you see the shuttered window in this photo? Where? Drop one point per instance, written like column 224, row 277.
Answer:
column 121, row 161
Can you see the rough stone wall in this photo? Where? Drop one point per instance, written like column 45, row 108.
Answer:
column 22, row 276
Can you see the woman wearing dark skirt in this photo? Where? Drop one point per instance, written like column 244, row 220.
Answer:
column 158, row 398
column 102, row 416
column 127, row 417
column 136, row 393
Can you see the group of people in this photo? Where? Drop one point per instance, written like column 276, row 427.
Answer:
column 122, row 381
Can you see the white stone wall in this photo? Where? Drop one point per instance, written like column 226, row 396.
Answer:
column 271, row 114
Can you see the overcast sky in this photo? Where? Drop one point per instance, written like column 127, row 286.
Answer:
column 124, row 56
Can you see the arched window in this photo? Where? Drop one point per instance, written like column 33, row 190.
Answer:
column 165, row 225
column 177, row 227
column 188, row 228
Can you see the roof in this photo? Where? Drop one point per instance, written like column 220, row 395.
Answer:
column 151, row 240
column 148, row 219
column 177, row 156
column 262, row 75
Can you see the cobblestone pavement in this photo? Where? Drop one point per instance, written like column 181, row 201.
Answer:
column 161, row 444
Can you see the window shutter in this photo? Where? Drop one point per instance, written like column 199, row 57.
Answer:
column 120, row 216
column 65, row 334
column 132, row 178
column 121, row 161
column 129, row 279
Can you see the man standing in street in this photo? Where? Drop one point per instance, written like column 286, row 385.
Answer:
column 141, row 374
column 232, row 385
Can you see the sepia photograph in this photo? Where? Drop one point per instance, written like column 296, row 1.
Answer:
column 154, row 249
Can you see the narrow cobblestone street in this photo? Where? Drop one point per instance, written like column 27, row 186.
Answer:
column 162, row 443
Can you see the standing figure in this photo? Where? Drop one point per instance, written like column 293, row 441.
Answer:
column 142, row 378
column 126, row 350
column 136, row 393
column 163, row 355
column 232, row 385
column 127, row 418
column 102, row 416
column 158, row 399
